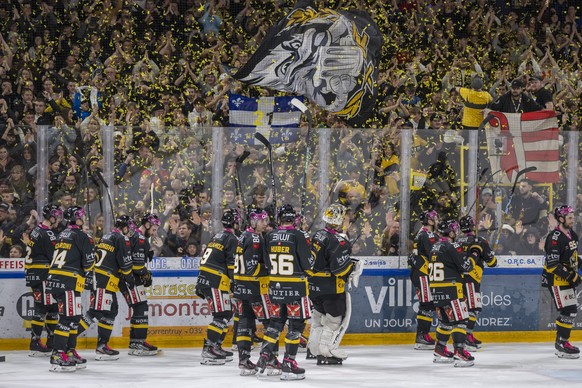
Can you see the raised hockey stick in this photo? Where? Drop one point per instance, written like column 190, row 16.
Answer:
column 239, row 160
column 520, row 173
column 301, row 106
column 259, row 136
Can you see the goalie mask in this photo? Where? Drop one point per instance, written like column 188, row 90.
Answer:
column 334, row 215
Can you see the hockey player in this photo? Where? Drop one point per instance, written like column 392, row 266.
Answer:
column 418, row 265
column 290, row 262
column 113, row 265
column 446, row 267
column 327, row 288
column 214, row 285
column 478, row 250
column 73, row 256
column 141, row 254
column 561, row 277
column 251, row 279
column 40, row 248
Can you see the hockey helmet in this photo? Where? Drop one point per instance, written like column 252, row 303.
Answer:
column 49, row 211
column 428, row 215
column 286, row 213
column 467, row 224
column 74, row 213
column 229, row 218
column 123, row 221
column 446, row 227
column 257, row 214
column 151, row 218
column 334, row 214
column 562, row 211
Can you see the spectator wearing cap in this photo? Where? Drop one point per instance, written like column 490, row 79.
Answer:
column 515, row 101
column 475, row 100
column 539, row 93
column 527, row 204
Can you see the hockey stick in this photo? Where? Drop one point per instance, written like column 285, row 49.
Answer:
column 301, row 106
column 259, row 136
column 239, row 160
column 99, row 176
column 519, row 174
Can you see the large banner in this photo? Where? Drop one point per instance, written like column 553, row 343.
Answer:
column 384, row 302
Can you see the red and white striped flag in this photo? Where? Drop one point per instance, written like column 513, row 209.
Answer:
column 530, row 139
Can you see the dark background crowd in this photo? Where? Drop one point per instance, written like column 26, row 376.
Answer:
column 157, row 72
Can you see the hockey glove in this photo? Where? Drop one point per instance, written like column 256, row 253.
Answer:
column 354, row 278
column 574, row 279
column 129, row 280
column 146, row 278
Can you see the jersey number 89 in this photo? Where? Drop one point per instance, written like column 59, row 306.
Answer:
column 281, row 264
column 436, row 271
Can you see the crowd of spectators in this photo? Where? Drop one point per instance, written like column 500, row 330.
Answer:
column 157, row 71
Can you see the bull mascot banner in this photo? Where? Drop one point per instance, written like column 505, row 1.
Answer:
column 331, row 57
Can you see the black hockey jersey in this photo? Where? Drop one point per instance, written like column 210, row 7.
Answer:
column 40, row 248
column 478, row 249
column 561, row 259
column 73, row 257
column 113, row 260
column 290, row 262
column 333, row 263
column 251, row 277
column 447, row 264
column 141, row 253
column 217, row 262
column 419, row 258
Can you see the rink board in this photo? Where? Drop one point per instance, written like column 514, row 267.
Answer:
column 383, row 306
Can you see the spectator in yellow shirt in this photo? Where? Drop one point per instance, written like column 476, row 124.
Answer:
column 475, row 100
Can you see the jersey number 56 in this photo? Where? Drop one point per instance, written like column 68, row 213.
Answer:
column 281, row 264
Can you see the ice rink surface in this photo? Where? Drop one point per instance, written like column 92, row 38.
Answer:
column 496, row 365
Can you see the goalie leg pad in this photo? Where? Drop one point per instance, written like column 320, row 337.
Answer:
column 315, row 333
column 330, row 337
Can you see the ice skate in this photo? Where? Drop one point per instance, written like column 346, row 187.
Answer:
column 273, row 366
column 211, row 355
column 228, row 356
column 80, row 361
column 37, row 349
column 142, row 349
column 105, row 353
column 291, row 371
column 424, row 342
column 310, row 356
column 463, row 358
column 61, row 363
column 323, row 360
column 564, row 349
column 472, row 344
column 247, row 367
column 262, row 364
column 442, row 355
